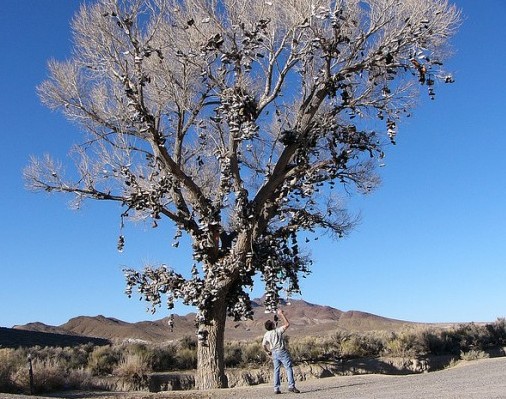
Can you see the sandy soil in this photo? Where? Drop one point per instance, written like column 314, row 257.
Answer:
column 481, row 379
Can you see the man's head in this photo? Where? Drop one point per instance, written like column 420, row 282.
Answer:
column 269, row 325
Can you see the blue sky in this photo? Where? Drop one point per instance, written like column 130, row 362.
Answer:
column 431, row 246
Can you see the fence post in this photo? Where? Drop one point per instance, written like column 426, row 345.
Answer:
column 30, row 371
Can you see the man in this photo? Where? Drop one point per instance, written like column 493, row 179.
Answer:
column 274, row 345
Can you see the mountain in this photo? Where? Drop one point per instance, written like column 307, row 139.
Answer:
column 305, row 319
column 114, row 329
column 44, row 328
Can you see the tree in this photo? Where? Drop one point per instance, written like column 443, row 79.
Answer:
column 242, row 122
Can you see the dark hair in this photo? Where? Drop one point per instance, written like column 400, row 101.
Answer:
column 269, row 325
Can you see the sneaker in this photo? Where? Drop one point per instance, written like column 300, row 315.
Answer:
column 293, row 390
column 277, row 391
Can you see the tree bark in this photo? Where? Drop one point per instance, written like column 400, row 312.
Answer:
column 210, row 348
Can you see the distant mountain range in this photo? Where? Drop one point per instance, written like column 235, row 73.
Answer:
column 306, row 319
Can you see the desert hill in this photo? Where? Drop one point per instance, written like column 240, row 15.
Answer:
column 15, row 338
column 305, row 318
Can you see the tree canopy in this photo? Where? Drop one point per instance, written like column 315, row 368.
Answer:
column 241, row 121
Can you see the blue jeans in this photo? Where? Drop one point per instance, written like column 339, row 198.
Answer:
column 282, row 357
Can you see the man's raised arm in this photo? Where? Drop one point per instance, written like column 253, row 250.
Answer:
column 286, row 323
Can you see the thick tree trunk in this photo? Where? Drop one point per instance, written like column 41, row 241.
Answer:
column 210, row 359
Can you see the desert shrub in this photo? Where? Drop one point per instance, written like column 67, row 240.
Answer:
column 474, row 355
column 103, row 360
column 450, row 341
column 473, row 336
column 335, row 340
column 352, row 346
column 344, row 344
column 397, row 347
column 133, row 368
column 79, row 378
column 453, row 363
column 437, row 342
column 163, row 358
column 497, row 332
column 188, row 342
column 48, row 375
column 253, row 354
column 356, row 346
column 307, row 349
column 10, row 361
column 232, row 354
column 67, row 357
column 374, row 344
column 141, row 349
column 329, row 349
column 53, row 369
column 78, row 356
column 186, row 359
column 407, row 343
column 145, row 351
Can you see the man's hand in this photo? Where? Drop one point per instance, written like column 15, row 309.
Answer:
column 286, row 323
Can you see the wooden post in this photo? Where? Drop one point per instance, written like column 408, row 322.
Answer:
column 30, row 371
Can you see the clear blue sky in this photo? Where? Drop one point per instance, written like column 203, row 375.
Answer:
column 431, row 246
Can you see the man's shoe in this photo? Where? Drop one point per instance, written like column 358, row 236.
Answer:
column 293, row 390
column 277, row 391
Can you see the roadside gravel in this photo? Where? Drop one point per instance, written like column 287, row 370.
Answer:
column 481, row 379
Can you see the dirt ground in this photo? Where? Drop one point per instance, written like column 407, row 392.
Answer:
column 481, row 379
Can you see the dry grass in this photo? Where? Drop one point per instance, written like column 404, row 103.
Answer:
column 133, row 369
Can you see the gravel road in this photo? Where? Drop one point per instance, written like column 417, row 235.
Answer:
column 481, row 379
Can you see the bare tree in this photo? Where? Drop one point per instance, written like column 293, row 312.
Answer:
column 241, row 121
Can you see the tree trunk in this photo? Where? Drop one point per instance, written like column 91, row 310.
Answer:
column 210, row 359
